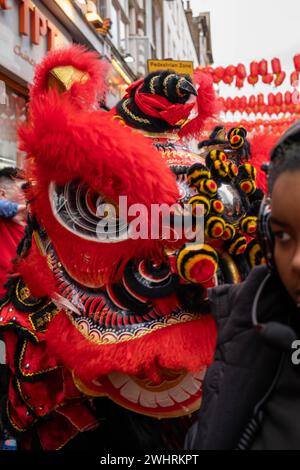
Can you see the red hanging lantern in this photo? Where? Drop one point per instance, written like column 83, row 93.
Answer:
column 228, row 103
column 270, row 109
column 276, row 65
column 278, row 98
column 254, row 69
column 263, row 108
column 260, row 98
column 209, row 70
column 219, row 72
column 297, row 62
column 288, row 97
column 277, row 109
column 243, row 102
column 221, row 102
column 248, row 110
column 252, row 79
column 230, row 70
column 294, row 79
column 263, row 67
column 252, row 101
column 280, row 77
column 236, row 102
column 228, row 79
column 268, row 78
column 216, row 79
column 271, row 99
column 239, row 82
column 241, row 71
column 283, row 108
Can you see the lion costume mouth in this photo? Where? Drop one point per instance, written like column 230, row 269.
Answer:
column 123, row 311
column 122, row 321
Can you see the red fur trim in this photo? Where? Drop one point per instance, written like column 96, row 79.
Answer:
column 111, row 158
column 36, row 273
column 207, row 105
column 261, row 146
column 186, row 346
column 84, row 93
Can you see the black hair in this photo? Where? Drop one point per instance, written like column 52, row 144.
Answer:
column 285, row 157
column 10, row 173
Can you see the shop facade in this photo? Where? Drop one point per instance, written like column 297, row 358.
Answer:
column 28, row 30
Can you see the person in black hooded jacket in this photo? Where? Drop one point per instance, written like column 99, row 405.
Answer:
column 251, row 396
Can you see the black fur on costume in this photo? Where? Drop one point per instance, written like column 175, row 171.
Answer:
column 235, row 142
column 177, row 89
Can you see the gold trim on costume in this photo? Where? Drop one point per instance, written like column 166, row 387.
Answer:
column 32, row 374
column 64, row 77
column 179, row 93
column 165, row 82
column 109, row 337
column 231, row 266
column 133, row 116
column 151, row 84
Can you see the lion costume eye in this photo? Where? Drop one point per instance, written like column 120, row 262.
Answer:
column 86, row 213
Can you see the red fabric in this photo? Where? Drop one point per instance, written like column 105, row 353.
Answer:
column 46, row 392
column 36, row 265
column 132, row 87
column 60, row 427
column 10, row 236
column 159, row 107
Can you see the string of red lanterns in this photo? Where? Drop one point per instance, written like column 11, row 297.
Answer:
column 274, row 126
column 270, row 73
column 289, row 102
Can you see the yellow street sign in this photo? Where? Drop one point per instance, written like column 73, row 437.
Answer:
column 178, row 66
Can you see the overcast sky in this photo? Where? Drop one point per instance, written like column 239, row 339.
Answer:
column 246, row 30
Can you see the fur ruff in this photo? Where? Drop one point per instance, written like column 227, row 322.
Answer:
column 84, row 94
column 64, row 145
column 188, row 346
column 207, row 106
column 261, row 146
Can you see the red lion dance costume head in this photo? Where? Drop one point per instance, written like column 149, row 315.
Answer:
column 95, row 326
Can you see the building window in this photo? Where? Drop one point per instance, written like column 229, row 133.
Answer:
column 132, row 21
column 102, row 8
column 123, row 37
column 158, row 42
column 12, row 114
column 114, row 26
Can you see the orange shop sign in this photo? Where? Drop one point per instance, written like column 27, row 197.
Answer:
column 4, row 5
column 33, row 23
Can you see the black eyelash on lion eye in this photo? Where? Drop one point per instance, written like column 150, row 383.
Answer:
column 75, row 205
